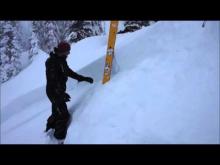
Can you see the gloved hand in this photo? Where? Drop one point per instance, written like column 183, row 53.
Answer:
column 66, row 97
column 88, row 79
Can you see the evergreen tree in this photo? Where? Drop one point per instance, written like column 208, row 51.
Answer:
column 9, row 49
column 46, row 34
column 131, row 26
column 83, row 29
column 34, row 46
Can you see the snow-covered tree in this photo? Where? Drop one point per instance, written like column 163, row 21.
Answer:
column 9, row 50
column 34, row 46
column 46, row 34
column 131, row 26
column 63, row 29
column 24, row 34
column 49, row 33
column 83, row 29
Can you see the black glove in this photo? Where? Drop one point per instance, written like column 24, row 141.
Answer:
column 88, row 79
column 66, row 97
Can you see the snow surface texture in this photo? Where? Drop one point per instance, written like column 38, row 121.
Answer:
column 165, row 90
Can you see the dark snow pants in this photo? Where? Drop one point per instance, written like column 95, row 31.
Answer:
column 59, row 120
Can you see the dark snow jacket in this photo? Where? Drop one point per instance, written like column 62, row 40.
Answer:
column 57, row 73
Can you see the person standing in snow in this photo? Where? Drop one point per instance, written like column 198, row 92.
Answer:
column 57, row 73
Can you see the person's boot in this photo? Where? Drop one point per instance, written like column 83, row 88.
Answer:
column 60, row 129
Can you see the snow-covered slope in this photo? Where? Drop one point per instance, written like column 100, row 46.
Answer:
column 166, row 90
